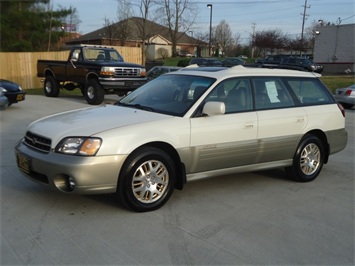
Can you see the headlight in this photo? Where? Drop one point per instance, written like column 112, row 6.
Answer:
column 3, row 89
column 143, row 72
column 107, row 71
column 79, row 146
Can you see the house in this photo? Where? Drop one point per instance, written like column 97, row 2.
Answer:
column 158, row 41
column 334, row 48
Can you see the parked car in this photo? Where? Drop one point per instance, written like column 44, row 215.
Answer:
column 205, row 61
column 232, row 61
column 346, row 96
column 185, row 125
column 4, row 102
column 272, row 61
column 300, row 63
column 12, row 91
column 159, row 70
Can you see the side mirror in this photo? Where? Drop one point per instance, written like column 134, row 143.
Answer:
column 75, row 56
column 214, row 108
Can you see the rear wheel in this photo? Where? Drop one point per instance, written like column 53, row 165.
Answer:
column 51, row 87
column 308, row 160
column 147, row 180
column 94, row 93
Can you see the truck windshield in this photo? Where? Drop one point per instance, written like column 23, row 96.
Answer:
column 97, row 54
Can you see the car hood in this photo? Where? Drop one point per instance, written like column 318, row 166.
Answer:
column 9, row 85
column 90, row 121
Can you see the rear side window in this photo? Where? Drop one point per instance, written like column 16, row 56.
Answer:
column 271, row 93
column 310, row 91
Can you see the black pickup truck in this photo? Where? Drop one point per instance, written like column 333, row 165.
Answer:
column 95, row 70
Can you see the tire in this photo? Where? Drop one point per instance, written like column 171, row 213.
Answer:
column 51, row 87
column 94, row 94
column 308, row 160
column 147, row 180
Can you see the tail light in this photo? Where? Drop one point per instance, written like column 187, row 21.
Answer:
column 348, row 92
column 342, row 110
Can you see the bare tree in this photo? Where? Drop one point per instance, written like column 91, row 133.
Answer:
column 72, row 20
column 124, row 12
column 110, row 31
column 179, row 16
column 223, row 36
column 144, row 7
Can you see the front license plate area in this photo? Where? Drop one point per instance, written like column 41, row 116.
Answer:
column 20, row 97
column 23, row 163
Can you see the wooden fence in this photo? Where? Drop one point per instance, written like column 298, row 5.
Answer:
column 22, row 67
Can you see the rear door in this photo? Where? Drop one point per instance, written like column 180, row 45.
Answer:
column 280, row 122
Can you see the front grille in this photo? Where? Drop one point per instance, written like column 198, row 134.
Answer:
column 37, row 142
column 127, row 72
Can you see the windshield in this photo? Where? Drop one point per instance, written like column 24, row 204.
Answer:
column 168, row 94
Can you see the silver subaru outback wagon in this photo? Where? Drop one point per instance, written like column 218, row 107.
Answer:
column 186, row 125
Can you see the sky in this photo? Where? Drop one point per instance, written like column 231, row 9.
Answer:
column 243, row 16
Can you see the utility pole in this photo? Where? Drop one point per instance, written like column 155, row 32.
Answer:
column 304, row 14
column 253, row 26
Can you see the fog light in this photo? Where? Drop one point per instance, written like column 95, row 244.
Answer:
column 71, row 184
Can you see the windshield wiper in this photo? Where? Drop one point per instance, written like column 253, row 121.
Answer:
column 137, row 106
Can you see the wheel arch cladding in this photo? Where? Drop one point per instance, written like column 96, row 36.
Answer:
column 171, row 151
column 323, row 138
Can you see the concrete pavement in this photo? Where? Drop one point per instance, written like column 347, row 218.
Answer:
column 258, row 218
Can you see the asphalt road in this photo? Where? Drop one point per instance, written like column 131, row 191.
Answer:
column 258, row 218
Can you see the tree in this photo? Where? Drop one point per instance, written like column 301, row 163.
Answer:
column 179, row 16
column 270, row 41
column 30, row 25
column 223, row 36
column 124, row 12
column 144, row 8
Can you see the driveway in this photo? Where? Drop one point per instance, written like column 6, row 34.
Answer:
column 258, row 218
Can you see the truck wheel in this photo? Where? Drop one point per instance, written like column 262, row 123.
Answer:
column 94, row 94
column 147, row 180
column 51, row 87
column 308, row 160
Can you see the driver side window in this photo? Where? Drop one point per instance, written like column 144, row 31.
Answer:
column 235, row 93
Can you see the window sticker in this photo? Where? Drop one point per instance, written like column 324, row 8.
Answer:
column 272, row 91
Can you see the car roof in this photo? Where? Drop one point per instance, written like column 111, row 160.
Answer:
column 241, row 71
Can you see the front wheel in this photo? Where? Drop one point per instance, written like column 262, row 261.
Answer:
column 94, row 93
column 51, row 87
column 147, row 180
column 308, row 160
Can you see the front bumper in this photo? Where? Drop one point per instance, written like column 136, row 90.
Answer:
column 91, row 175
column 121, row 83
column 15, row 97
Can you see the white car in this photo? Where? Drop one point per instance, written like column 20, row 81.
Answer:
column 185, row 125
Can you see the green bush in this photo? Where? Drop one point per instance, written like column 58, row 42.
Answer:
column 183, row 62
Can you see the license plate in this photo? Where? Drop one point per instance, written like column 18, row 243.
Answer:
column 20, row 97
column 23, row 163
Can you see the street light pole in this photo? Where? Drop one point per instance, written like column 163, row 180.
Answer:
column 210, row 7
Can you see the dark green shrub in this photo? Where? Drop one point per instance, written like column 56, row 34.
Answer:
column 183, row 62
